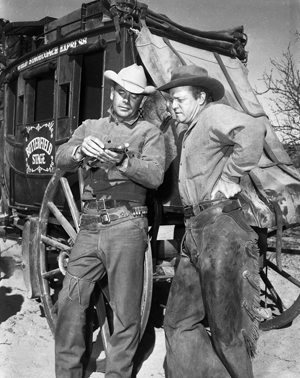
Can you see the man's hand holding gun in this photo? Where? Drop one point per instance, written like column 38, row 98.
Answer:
column 93, row 152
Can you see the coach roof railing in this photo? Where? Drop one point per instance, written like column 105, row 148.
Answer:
column 99, row 14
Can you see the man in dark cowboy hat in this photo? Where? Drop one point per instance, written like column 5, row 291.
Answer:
column 114, row 228
column 216, row 284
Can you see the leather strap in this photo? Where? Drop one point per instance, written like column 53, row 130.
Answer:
column 109, row 204
column 109, row 215
column 189, row 211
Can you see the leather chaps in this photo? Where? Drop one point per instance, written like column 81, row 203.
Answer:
column 211, row 323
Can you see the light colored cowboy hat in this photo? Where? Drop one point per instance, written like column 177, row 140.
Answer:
column 131, row 78
column 192, row 75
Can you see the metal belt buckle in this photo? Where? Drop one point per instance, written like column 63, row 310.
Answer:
column 104, row 218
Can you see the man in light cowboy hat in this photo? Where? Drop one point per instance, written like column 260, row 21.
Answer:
column 216, row 283
column 114, row 228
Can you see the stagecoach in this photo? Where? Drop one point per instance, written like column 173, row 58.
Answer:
column 52, row 80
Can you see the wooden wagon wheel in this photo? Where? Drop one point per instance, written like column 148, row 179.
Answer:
column 56, row 234
column 280, row 286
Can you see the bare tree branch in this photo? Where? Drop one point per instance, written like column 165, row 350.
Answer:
column 283, row 82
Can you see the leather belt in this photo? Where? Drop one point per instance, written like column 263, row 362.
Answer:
column 103, row 204
column 192, row 210
column 106, row 216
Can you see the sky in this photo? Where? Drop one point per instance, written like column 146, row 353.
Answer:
column 269, row 24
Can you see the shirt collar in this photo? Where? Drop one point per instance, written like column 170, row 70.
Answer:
column 198, row 116
column 113, row 118
column 194, row 122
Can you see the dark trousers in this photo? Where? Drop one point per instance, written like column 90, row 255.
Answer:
column 116, row 249
column 210, row 323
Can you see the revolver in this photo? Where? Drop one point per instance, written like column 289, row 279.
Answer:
column 91, row 162
column 118, row 150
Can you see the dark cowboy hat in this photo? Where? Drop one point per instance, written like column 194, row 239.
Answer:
column 195, row 76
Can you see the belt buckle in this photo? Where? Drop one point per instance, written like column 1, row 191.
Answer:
column 104, row 218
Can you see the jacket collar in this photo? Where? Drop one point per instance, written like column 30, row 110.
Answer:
column 114, row 118
column 196, row 119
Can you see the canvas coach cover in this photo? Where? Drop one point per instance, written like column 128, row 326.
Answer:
column 273, row 187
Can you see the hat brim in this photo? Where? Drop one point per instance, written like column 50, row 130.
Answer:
column 130, row 87
column 213, row 85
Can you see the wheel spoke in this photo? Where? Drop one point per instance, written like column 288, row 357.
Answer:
column 71, row 202
column 284, row 302
column 283, row 273
column 272, row 291
column 285, row 250
column 54, row 308
column 54, row 243
column 63, row 221
column 51, row 274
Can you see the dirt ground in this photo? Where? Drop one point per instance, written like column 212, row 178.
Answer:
column 27, row 347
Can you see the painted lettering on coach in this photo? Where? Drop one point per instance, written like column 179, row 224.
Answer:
column 39, row 148
column 52, row 53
